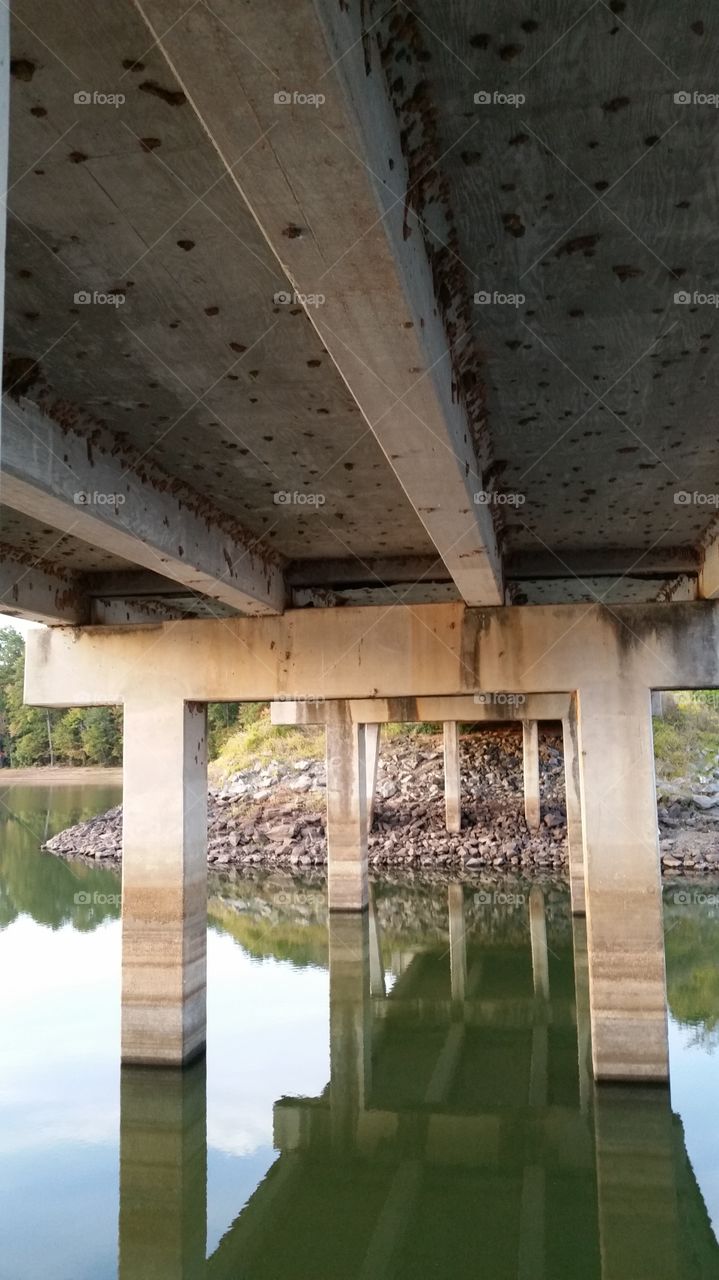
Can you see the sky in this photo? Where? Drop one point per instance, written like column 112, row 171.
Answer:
column 19, row 624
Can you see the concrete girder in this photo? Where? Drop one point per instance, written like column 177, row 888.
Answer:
column 425, row 650
column 73, row 483
column 342, row 233
column 40, row 593
column 582, row 562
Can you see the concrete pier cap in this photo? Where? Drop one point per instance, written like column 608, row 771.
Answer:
column 607, row 660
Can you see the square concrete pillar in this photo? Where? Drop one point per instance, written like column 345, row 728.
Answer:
column 164, row 881
column 372, row 735
column 347, row 879
column 623, row 884
column 573, row 795
column 452, row 777
column 163, row 1173
column 530, row 758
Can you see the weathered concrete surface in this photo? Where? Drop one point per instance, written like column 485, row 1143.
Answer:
column 372, row 737
column 452, row 777
column 623, row 888
column 347, row 880
column 418, row 651
column 164, row 881
column 379, row 322
column 74, row 481
column 530, row 754
column 573, row 795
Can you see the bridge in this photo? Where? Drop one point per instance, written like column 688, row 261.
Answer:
column 356, row 351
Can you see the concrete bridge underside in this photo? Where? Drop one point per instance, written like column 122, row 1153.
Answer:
column 358, row 351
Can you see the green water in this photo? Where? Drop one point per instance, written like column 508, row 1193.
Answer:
column 403, row 1094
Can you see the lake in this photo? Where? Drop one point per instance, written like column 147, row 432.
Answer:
column 404, row 1094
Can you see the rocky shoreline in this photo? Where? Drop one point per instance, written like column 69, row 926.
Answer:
column 273, row 815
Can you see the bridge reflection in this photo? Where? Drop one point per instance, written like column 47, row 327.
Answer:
column 461, row 1132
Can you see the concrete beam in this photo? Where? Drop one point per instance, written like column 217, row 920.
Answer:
column 121, row 584
column 340, row 230
column 463, row 710
column 76, row 484
column 397, row 655
column 39, row 593
column 585, row 563
column 374, row 572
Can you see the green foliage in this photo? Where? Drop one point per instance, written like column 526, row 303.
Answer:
column 686, row 739
column 256, row 741
column 82, row 735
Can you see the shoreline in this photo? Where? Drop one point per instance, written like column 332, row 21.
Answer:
column 272, row 817
column 63, row 774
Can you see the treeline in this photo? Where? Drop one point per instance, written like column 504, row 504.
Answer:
column 80, row 736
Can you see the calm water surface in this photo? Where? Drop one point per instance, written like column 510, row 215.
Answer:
column 403, row 1095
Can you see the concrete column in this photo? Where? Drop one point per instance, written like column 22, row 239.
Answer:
column 530, row 756
column 348, row 886
column 575, row 841
column 377, row 983
column 584, row 1026
column 350, row 1022
column 372, row 735
column 4, row 142
column 636, row 1184
column 540, row 973
column 623, row 885
column 457, row 942
column 452, row 777
column 163, row 1173
column 164, row 881
column 538, row 937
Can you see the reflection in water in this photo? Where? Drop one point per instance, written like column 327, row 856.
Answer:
column 460, row 1132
